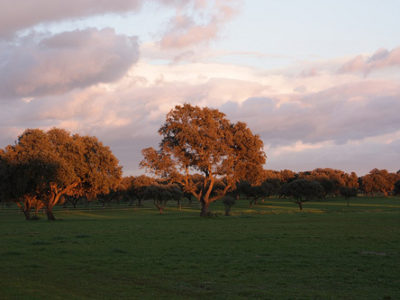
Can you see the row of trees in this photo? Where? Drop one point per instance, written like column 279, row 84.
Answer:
column 228, row 159
column 304, row 186
column 201, row 155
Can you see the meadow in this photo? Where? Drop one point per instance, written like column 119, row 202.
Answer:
column 271, row 251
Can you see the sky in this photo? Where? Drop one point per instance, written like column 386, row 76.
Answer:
column 318, row 81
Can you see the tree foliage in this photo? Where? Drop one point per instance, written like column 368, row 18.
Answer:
column 203, row 141
column 42, row 167
column 161, row 194
column 302, row 190
column 331, row 179
column 379, row 182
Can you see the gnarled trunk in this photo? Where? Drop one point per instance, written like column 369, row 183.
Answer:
column 26, row 206
column 204, row 209
column 49, row 207
column 49, row 213
column 55, row 197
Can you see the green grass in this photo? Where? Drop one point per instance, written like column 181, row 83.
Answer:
column 273, row 251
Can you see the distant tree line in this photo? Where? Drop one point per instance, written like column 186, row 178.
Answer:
column 202, row 156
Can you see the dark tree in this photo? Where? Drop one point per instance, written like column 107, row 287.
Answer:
column 396, row 190
column 330, row 186
column 18, row 181
column 228, row 201
column 201, row 140
column 271, row 187
column 255, row 193
column 138, row 187
column 302, row 190
column 347, row 193
column 161, row 194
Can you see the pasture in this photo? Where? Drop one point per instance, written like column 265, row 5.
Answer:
column 271, row 251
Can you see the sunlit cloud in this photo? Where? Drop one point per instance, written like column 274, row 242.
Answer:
column 365, row 64
column 38, row 65
column 200, row 25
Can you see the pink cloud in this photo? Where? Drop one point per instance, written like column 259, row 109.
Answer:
column 381, row 59
column 39, row 65
column 183, row 31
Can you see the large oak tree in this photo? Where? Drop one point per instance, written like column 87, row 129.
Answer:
column 203, row 141
column 45, row 166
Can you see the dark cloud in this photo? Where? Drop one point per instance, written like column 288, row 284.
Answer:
column 27, row 13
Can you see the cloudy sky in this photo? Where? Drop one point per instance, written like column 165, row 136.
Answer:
column 319, row 81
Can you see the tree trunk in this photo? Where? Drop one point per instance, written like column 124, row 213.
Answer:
column 26, row 206
column 227, row 211
column 300, row 205
column 27, row 214
column 159, row 206
column 204, row 209
column 179, row 204
column 49, row 213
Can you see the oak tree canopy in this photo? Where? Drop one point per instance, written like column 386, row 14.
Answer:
column 42, row 167
column 203, row 141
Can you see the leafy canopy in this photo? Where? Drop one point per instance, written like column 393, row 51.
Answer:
column 203, row 141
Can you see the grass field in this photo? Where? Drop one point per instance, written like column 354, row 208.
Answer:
column 272, row 251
